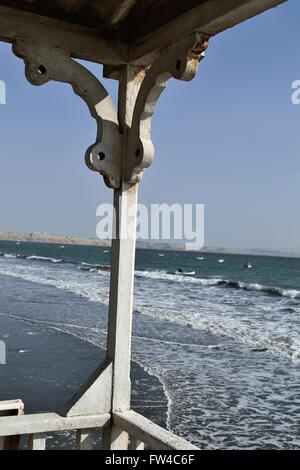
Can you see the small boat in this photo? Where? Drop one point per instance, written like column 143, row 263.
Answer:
column 185, row 273
column 220, row 260
column 62, row 246
column 105, row 251
column 200, row 258
column 248, row 265
column 161, row 254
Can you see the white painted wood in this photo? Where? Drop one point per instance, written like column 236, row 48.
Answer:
column 12, row 405
column 48, row 422
column 10, row 408
column 95, row 395
column 85, row 43
column 121, row 303
column 146, row 431
column 121, row 294
column 122, row 269
column 37, row 442
column 123, row 258
column 135, row 444
column 181, row 61
column 81, row 42
column 84, row 439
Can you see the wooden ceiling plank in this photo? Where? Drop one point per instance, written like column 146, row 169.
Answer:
column 149, row 15
column 87, row 13
column 81, row 42
column 121, row 11
column 103, row 15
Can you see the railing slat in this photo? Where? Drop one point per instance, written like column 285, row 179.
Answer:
column 84, row 439
column 37, row 441
column 49, row 422
column 135, row 444
column 144, row 430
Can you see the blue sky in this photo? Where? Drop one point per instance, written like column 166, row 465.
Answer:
column 229, row 139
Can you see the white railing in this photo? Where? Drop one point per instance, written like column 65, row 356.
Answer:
column 140, row 430
column 36, row 426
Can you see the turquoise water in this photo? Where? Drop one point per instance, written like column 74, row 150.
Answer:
column 224, row 341
column 269, row 271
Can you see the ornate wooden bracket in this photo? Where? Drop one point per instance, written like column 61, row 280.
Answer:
column 179, row 61
column 44, row 63
column 117, row 155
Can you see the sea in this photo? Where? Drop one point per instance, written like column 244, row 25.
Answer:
column 219, row 333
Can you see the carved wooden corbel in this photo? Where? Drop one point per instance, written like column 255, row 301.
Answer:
column 44, row 63
column 117, row 155
column 180, row 61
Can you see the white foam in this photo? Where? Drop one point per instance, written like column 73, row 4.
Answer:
column 44, row 258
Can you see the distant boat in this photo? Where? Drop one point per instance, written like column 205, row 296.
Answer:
column 161, row 254
column 200, row 258
column 185, row 273
column 248, row 265
column 62, row 246
column 220, row 261
column 105, row 251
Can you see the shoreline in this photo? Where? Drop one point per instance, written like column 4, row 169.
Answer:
column 133, row 361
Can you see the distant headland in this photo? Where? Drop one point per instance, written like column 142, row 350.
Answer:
column 37, row 237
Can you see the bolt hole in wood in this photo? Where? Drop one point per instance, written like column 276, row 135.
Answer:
column 101, row 156
column 41, row 70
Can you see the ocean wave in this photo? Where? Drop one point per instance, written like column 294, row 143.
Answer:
column 80, row 265
column 271, row 290
column 218, row 282
column 44, row 258
column 277, row 337
column 72, row 285
column 171, row 277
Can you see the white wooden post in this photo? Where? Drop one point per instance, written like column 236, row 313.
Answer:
column 121, row 304
column 37, row 441
column 84, row 439
column 122, row 272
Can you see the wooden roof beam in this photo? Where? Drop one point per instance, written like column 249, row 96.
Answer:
column 210, row 18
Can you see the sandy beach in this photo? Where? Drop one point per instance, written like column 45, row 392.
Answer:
column 46, row 367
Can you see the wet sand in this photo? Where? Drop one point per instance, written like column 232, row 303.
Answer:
column 45, row 368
